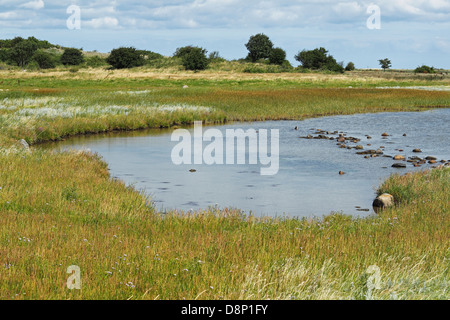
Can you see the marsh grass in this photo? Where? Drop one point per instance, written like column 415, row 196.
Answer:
column 87, row 106
column 63, row 209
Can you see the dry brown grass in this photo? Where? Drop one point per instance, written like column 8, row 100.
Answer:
column 362, row 77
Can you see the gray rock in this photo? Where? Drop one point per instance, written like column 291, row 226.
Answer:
column 385, row 200
column 25, row 144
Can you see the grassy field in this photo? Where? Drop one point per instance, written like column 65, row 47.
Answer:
column 58, row 210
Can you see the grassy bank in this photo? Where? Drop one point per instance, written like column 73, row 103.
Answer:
column 62, row 210
column 58, row 210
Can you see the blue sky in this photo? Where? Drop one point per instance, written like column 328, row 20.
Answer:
column 412, row 33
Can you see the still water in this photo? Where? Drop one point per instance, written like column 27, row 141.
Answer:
column 308, row 182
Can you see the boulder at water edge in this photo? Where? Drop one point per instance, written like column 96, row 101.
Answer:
column 383, row 201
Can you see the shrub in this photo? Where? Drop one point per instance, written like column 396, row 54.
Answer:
column 318, row 59
column 195, row 59
column 183, row 51
column 259, row 46
column 72, row 57
column 424, row 69
column 125, row 58
column 350, row 66
column 44, row 59
column 277, row 56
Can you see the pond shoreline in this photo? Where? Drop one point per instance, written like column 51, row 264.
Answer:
column 159, row 195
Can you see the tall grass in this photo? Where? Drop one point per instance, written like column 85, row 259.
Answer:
column 51, row 114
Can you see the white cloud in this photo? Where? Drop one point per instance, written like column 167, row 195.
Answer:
column 35, row 5
column 8, row 15
column 105, row 23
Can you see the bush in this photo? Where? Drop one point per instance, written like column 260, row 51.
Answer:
column 424, row 69
column 350, row 66
column 44, row 59
column 318, row 59
column 183, row 51
column 72, row 57
column 195, row 59
column 259, row 47
column 125, row 58
column 277, row 56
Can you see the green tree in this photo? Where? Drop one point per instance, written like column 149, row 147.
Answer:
column 196, row 59
column 44, row 59
column 350, row 66
column 125, row 58
column 72, row 57
column 22, row 52
column 259, row 46
column 318, row 59
column 385, row 63
column 312, row 59
column 183, row 51
column 277, row 56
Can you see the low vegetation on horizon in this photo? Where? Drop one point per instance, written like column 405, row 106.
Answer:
column 263, row 57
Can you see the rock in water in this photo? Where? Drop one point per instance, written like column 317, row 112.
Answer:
column 385, row 200
column 399, row 157
column 399, row 165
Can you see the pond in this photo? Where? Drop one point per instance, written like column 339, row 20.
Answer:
column 307, row 183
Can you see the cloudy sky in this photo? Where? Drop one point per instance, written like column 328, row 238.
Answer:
column 411, row 33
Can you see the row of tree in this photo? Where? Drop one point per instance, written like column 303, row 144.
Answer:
column 260, row 49
column 21, row 52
